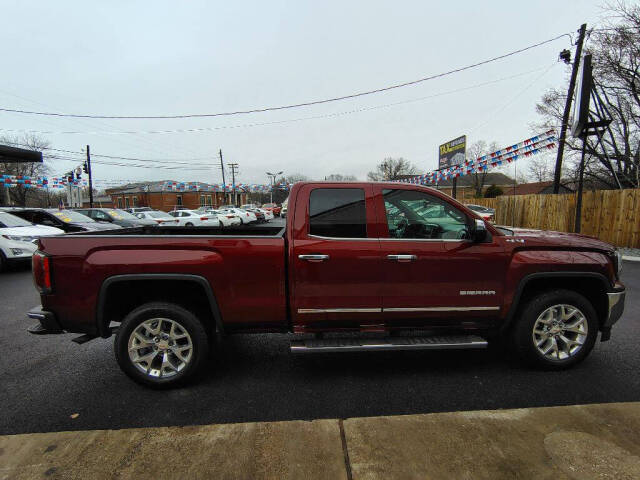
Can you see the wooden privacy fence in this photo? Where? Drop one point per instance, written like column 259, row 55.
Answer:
column 610, row 215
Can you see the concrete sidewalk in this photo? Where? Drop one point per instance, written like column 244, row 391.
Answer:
column 577, row 442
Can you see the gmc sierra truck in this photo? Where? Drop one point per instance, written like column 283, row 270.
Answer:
column 359, row 266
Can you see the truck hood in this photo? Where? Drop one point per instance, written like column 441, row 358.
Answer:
column 549, row 238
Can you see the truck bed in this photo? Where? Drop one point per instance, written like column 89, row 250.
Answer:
column 243, row 267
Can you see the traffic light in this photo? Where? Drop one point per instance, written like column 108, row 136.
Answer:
column 85, row 169
column 69, row 177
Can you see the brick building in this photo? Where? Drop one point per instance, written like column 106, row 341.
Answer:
column 155, row 195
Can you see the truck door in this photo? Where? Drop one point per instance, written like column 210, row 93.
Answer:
column 433, row 273
column 335, row 262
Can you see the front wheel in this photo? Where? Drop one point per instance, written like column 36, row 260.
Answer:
column 161, row 345
column 188, row 224
column 556, row 330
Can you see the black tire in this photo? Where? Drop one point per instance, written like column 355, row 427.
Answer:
column 188, row 224
column 522, row 333
column 186, row 320
column 3, row 262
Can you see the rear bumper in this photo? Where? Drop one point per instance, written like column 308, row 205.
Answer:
column 47, row 322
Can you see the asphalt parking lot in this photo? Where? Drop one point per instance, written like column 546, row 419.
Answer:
column 51, row 384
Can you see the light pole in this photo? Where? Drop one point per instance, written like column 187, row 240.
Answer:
column 272, row 179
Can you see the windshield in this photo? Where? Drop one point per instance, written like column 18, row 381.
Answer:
column 121, row 215
column 70, row 216
column 7, row 220
column 159, row 215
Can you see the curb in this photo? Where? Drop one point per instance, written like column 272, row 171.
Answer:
column 630, row 258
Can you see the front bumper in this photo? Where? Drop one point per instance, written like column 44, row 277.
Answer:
column 47, row 322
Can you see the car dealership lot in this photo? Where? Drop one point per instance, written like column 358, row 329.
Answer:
column 51, row 384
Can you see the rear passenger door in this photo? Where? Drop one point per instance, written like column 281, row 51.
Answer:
column 335, row 260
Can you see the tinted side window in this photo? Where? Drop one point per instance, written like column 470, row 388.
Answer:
column 337, row 212
column 415, row 214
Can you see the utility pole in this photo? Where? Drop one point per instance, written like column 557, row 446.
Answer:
column 88, row 172
column 224, row 183
column 234, row 169
column 567, row 108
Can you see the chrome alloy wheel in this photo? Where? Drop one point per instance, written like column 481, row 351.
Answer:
column 560, row 331
column 160, row 347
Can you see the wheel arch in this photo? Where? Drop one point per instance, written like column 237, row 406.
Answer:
column 172, row 284
column 592, row 285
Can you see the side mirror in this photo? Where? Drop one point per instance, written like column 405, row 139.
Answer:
column 479, row 231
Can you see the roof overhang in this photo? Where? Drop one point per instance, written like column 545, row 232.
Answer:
column 19, row 155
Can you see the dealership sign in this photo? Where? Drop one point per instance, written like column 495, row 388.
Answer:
column 452, row 153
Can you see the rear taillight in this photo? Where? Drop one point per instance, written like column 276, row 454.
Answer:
column 41, row 266
column 229, row 216
column 204, row 218
column 159, row 221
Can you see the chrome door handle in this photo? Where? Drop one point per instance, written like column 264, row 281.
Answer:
column 314, row 258
column 402, row 258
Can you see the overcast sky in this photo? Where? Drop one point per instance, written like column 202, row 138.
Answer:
column 161, row 57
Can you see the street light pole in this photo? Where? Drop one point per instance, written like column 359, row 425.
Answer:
column 272, row 180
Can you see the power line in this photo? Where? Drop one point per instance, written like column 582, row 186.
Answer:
column 278, row 122
column 296, row 105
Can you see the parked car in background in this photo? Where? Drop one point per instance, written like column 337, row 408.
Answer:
column 488, row 214
column 245, row 216
column 135, row 210
column 161, row 218
column 18, row 238
column 273, row 207
column 228, row 219
column 268, row 214
column 260, row 216
column 68, row 220
column 191, row 218
column 115, row 216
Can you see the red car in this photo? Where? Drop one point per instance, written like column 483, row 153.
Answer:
column 273, row 207
column 404, row 262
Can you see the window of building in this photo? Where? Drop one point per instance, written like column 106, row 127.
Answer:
column 415, row 214
column 209, row 203
column 126, row 202
column 337, row 212
column 119, row 202
column 135, row 201
column 179, row 200
column 203, row 200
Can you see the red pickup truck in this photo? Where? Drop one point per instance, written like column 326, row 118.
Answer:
column 359, row 266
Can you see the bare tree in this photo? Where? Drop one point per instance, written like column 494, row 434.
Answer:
column 476, row 150
column 337, row 177
column 392, row 169
column 616, row 69
column 19, row 194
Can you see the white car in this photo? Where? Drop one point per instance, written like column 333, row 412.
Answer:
column 226, row 218
column 18, row 238
column 245, row 217
column 162, row 218
column 190, row 218
column 268, row 214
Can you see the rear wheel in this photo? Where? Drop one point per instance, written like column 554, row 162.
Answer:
column 556, row 330
column 161, row 345
column 188, row 224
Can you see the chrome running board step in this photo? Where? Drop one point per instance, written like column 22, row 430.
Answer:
column 440, row 342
